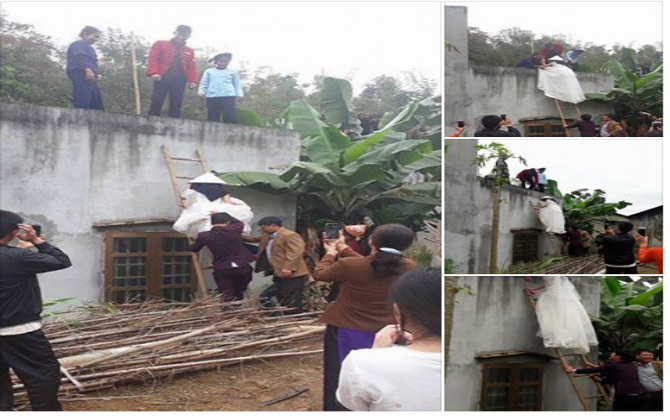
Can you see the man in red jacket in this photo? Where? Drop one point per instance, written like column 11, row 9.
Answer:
column 171, row 65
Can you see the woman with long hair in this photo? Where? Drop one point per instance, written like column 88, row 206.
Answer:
column 405, row 377
column 361, row 307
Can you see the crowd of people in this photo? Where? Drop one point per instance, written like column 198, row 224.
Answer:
column 171, row 65
column 621, row 248
column 382, row 345
column 611, row 127
column 548, row 51
column 635, row 378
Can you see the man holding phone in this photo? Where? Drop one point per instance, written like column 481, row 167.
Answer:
column 493, row 127
column 618, row 250
column 23, row 346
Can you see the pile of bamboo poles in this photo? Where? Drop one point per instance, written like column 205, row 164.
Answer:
column 593, row 264
column 101, row 347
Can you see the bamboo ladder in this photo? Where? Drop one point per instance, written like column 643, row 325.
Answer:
column 561, row 108
column 175, row 179
column 601, row 396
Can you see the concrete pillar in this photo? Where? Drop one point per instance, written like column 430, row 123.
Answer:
column 456, row 96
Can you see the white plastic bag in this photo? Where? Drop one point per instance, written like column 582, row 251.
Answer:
column 195, row 218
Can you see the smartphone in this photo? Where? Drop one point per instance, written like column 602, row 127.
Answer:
column 460, row 124
column 503, row 116
column 332, row 230
column 642, row 231
column 38, row 230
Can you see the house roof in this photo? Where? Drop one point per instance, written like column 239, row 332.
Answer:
column 651, row 210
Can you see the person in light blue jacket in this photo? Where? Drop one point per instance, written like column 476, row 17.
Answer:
column 220, row 87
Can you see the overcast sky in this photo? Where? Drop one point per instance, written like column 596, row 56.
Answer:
column 631, row 23
column 358, row 41
column 626, row 169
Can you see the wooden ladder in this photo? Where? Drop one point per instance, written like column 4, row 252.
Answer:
column 601, row 394
column 561, row 108
column 175, row 180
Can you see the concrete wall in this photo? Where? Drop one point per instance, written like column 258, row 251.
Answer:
column 472, row 92
column 653, row 221
column 68, row 168
column 468, row 213
column 497, row 317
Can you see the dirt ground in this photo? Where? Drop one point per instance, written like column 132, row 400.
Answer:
column 239, row 388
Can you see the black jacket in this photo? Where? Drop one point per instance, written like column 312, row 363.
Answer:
column 617, row 249
column 20, row 295
column 487, row 132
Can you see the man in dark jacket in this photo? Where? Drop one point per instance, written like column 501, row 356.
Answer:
column 232, row 269
column 618, row 250
column 492, row 127
column 624, row 376
column 171, row 64
column 23, row 346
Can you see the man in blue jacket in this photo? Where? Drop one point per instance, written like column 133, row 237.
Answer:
column 23, row 346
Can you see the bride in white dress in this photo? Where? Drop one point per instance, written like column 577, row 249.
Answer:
column 559, row 81
column 564, row 323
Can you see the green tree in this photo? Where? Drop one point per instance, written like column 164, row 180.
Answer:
column 583, row 208
column 354, row 180
column 269, row 92
column 633, row 92
column 500, row 153
column 31, row 66
column 631, row 314
column 116, row 84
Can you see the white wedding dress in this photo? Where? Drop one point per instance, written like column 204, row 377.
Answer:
column 551, row 217
column 564, row 323
column 560, row 82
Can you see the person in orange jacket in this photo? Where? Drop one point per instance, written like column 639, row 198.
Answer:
column 649, row 255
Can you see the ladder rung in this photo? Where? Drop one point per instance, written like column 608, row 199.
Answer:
column 187, row 159
column 590, row 397
column 184, row 177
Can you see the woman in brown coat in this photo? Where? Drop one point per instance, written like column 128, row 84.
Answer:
column 361, row 307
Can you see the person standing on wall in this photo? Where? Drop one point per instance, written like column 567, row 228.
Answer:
column 82, row 69
column 281, row 252
column 23, row 346
column 171, row 64
column 542, row 179
column 220, row 87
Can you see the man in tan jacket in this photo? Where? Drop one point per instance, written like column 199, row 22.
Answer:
column 609, row 127
column 281, row 251
column 650, row 372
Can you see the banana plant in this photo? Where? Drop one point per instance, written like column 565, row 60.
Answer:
column 631, row 314
column 632, row 92
column 348, row 179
